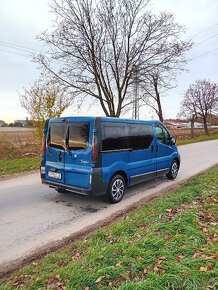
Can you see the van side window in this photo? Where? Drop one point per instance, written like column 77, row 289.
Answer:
column 56, row 137
column 163, row 135
column 114, row 137
column 78, row 136
column 141, row 136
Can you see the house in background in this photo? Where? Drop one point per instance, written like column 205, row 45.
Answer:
column 175, row 124
column 20, row 123
column 2, row 123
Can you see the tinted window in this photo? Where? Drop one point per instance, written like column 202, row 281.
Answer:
column 141, row 136
column 78, row 134
column 114, row 137
column 56, row 136
column 163, row 135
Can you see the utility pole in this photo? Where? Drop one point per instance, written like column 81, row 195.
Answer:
column 135, row 111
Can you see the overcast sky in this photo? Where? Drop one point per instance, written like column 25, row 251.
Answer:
column 22, row 20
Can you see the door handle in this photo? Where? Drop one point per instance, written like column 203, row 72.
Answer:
column 59, row 156
column 152, row 148
column 156, row 148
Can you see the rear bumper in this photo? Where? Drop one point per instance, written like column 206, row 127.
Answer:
column 56, row 185
column 98, row 187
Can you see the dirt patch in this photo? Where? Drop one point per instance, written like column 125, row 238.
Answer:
column 186, row 133
column 18, row 143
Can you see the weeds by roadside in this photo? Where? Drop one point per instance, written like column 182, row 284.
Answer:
column 168, row 243
column 196, row 139
column 19, row 165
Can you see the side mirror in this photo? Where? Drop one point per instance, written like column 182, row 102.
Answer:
column 173, row 141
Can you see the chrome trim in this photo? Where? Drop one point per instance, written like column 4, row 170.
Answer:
column 150, row 172
column 115, row 150
column 138, row 175
column 163, row 169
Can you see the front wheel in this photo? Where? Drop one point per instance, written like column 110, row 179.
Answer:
column 116, row 189
column 174, row 168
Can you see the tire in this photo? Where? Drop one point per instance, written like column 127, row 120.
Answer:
column 116, row 189
column 174, row 168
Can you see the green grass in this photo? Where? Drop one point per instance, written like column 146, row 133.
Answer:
column 168, row 243
column 200, row 138
column 12, row 166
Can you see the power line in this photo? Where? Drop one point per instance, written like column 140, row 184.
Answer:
column 17, row 46
column 15, row 53
column 194, row 35
column 205, row 53
column 206, row 39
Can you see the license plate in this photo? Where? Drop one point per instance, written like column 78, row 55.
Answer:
column 55, row 175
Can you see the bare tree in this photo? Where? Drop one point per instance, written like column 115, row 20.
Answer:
column 200, row 100
column 155, row 86
column 96, row 45
column 44, row 100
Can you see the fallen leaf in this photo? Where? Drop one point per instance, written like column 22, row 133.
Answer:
column 63, row 262
column 118, row 264
column 55, row 281
column 76, row 256
column 216, row 255
column 203, row 269
column 160, row 260
column 145, row 271
column 171, row 213
column 180, row 258
column 22, row 280
column 98, row 280
column 139, row 259
column 209, row 267
column 110, row 284
column 157, row 268
column 205, row 230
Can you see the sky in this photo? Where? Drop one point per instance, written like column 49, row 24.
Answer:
column 22, row 20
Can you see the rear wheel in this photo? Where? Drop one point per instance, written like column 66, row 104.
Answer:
column 174, row 168
column 116, row 189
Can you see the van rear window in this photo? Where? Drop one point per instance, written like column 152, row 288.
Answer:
column 78, row 136
column 56, row 137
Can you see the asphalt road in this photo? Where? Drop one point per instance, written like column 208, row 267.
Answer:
column 32, row 215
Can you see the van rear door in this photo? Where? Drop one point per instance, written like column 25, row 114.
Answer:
column 78, row 155
column 55, row 151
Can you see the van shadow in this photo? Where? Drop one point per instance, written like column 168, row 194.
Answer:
column 92, row 204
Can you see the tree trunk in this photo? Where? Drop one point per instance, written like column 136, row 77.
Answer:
column 205, row 125
column 160, row 112
column 192, row 126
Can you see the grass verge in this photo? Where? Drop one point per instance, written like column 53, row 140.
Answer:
column 12, row 166
column 201, row 138
column 168, row 243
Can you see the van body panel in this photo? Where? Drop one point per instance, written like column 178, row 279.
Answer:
column 142, row 163
column 114, row 162
column 164, row 157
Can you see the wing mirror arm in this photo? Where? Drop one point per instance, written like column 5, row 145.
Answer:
column 173, row 141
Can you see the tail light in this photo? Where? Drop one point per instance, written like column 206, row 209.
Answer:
column 94, row 148
column 43, row 146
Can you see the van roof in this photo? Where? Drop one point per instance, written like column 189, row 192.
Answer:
column 104, row 119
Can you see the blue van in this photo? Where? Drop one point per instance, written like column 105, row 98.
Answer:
column 102, row 155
